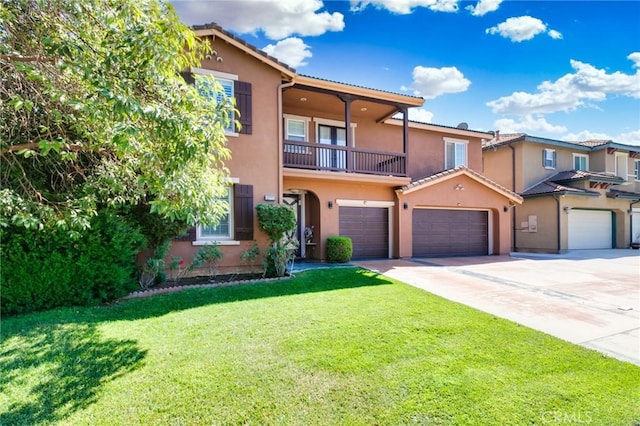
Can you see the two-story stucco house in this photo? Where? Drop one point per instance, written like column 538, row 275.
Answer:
column 338, row 154
column 577, row 195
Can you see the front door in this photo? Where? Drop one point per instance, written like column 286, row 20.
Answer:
column 332, row 158
column 293, row 200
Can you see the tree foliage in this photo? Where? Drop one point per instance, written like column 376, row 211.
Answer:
column 93, row 114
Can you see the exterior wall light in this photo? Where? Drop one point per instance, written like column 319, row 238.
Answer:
column 330, row 204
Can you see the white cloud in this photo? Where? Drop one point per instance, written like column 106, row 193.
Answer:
column 635, row 57
column 555, row 34
column 405, row 7
column 421, row 115
column 433, row 82
column 527, row 124
column 586, row 84
column 292, row 51
column 522, row 28
column 631, row 138
column 483, row 7
column 278, row 19
column 628, row 138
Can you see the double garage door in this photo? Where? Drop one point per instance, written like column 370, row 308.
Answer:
column 435, row 232
column 590, row 229
column 450, row 233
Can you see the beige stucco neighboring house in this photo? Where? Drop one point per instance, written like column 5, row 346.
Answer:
column 349, row 162
column 577, row 195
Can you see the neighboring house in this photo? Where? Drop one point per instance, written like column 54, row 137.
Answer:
column 337, row 155
column 577, row 195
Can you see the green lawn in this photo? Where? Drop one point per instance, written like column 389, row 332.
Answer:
column 329, row 347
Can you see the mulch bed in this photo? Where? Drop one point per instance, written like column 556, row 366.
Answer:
column 172, row 286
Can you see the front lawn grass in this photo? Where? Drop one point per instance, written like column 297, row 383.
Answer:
column 328, row 347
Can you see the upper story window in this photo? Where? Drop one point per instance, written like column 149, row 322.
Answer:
column 636, row 169
column 223, row 230
column 621, row 164
column 455, row 153
column 580, row 162
column 297, row 130
column 549, row 158
column 228, row 83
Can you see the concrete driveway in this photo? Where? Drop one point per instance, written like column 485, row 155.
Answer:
column 587, row 297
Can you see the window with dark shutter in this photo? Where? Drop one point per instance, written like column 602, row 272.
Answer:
column 243, row 212
column 188, row 77
column 242, row 93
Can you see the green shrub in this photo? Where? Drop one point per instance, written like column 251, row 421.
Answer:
column 339, row 249
column 276, row 220
column 42, row 269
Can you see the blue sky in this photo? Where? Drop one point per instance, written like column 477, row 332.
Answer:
column 566, row 70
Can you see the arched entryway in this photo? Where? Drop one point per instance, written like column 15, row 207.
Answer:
column 306, row 205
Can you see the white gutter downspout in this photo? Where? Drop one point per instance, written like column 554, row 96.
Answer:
column 281, row 135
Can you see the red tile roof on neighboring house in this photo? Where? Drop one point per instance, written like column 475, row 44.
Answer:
column 593, row 142
column 578, row 175
column 553, row 188
column 446, row 174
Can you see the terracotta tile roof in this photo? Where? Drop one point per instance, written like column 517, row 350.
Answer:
column 593, row 142
column 503, row 139
column 551, row 188
column 457, row 171
column 578, row 175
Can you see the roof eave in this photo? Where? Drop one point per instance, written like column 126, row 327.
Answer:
column 263, row 57
column 358, row 91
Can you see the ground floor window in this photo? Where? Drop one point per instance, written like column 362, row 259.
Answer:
column 223, row 230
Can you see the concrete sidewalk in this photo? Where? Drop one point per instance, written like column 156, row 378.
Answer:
column 590, row 298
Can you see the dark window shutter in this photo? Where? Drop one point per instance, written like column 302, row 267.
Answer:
column 555, row 159
column 188, row 77
column 544, row 152
column 243, row 212
column 189, row 236
column 242, row 93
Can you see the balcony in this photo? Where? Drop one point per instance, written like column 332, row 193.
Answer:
column 333, row 158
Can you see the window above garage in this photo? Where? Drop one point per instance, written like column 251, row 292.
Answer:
column 455, row 153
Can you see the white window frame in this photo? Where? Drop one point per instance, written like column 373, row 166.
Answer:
column 586, row 161
column 456, row 143
column 208, row 239
column 636, row 169
column 334, row 123
column 624, row 157
column 223, row 78
column 552, row 161
column 294, row 149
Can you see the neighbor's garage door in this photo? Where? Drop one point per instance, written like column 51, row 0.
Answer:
column 368, row 228
column 450, row 233
column 590, row 229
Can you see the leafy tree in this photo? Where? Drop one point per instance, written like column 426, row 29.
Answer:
column 94, row 114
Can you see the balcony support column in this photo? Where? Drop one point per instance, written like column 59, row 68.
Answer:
column 405, row 136
column 347, row 125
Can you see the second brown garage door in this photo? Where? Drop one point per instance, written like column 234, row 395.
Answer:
column 450, row 233
column 368, row 228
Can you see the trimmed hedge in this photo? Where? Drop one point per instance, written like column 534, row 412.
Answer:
column 339, row 249
column 43, row 269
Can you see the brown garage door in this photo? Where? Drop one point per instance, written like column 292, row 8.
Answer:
column 450, row 233
column 368, row 228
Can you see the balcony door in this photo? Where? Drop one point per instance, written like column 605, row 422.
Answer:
column 332, row 158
